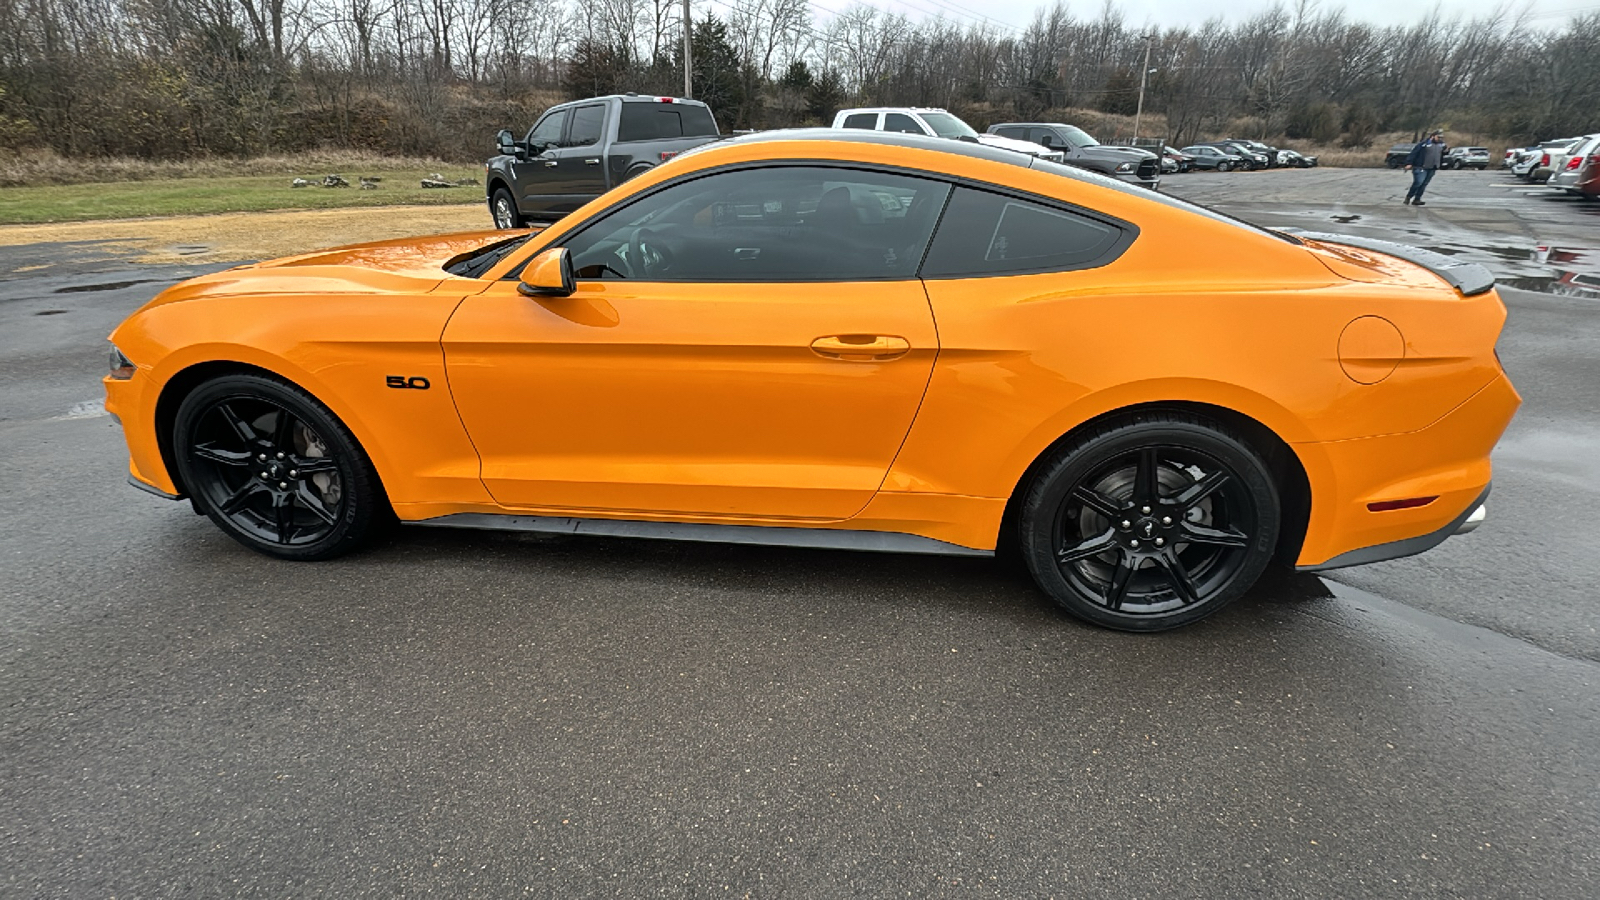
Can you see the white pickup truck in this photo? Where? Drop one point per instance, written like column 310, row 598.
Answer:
column 934, row 123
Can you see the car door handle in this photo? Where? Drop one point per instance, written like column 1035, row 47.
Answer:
column 551, row 163
column 861, row 347
column 592, row 161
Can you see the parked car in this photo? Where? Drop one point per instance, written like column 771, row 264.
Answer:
column 1268, row 151
column 1588, row 183
column 1466, row 158
column 935, row 123
column 1554, row 160
column 1396, row 157
column 1131, row 164
column 854, row 340
column 1528, row 165
column 579, row 150
column 1177, row 159
column 1576, row 165
column 1296, row 159
column 1514, row 153
column 1251, row 159
column 1525, row 161
column 1205, row 156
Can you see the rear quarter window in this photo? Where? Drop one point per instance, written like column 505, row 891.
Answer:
column 983, row 233
column 861, row 120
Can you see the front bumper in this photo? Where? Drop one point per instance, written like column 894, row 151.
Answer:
column 131, row 401
column 1133, row 178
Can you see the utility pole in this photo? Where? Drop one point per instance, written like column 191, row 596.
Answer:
column 688, row 58
column 1143, row 74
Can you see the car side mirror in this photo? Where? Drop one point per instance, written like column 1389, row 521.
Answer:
column 506, row 143
column 548, row 275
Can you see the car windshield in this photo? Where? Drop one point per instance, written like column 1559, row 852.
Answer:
column 948, row 126
column 1077, row 136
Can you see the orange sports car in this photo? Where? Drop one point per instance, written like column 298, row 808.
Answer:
column 850, row 340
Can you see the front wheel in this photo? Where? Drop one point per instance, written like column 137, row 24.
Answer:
column 1150, row 522
column 1223, row 167
column 503, row 207
column 275, row 469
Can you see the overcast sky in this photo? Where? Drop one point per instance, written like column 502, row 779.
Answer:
column 1017, row 13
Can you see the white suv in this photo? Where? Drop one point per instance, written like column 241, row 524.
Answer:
column 934, row 123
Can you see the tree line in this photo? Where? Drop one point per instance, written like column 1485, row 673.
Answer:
column 173, row 79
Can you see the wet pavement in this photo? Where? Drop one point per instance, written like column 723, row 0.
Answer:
column 1531, row 236
column 1532, row 571
column 461, row 714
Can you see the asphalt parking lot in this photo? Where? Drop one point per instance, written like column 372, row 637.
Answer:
column 480, row 715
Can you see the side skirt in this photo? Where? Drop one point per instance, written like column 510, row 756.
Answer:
column 771, row 536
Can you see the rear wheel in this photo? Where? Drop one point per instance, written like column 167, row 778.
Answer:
column 1150, row 522
column 275, row 470
column 1223, row 166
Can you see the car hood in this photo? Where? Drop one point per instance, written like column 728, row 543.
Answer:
column 1115, row 154
column 1005, row 143
column 402, row 265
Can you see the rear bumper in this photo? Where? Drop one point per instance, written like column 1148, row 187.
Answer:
column 1448, row 460
column 1468, row 521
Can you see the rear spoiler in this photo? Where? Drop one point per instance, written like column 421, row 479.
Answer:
column 1468, row 278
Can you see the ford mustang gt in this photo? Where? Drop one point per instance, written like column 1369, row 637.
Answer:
column 845, row 340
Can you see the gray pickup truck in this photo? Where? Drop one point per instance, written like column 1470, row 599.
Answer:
column 579, row 150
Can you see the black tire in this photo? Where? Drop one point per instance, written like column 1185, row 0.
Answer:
column 503, row 209
column 634, row 172
column 275, row 469
column 1224, row 166
column 1150, row 522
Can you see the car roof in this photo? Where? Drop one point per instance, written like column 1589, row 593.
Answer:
column 632, row 98
column 890, row 138
column 878, row 109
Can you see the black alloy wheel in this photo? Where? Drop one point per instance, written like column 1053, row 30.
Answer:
column 504, row 209
column 275, row 469
column 1150, row 522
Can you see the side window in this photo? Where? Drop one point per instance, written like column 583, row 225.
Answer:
column 1012, row 131
column 861, row 120
column 991, row 234
column 587, row 121
column 1044, row 136
column 766, row 224
column 902, row 123
column 548, row 131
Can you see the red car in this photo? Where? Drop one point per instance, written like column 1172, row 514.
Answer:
column 1588, row 182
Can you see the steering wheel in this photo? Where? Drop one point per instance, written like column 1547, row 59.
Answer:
column 646, row 259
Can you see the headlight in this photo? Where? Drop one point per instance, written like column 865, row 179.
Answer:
column 1125, row 167
column 122, row 368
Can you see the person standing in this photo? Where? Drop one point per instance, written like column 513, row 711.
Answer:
column 1422, row 162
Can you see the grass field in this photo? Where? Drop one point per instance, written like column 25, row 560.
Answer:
column 219, row 194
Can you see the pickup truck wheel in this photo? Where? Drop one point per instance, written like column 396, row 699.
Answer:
column 635, row 172
column 504, row 210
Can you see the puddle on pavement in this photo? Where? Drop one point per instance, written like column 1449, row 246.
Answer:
column 51, row 312
column 1564, row 271
column 104, row 286
column 1345, row 220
